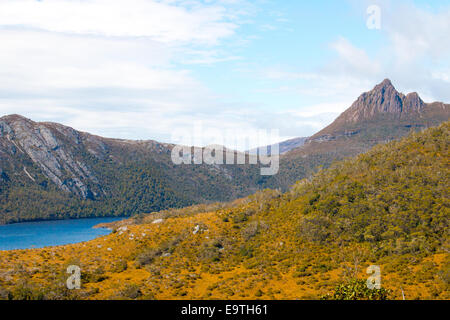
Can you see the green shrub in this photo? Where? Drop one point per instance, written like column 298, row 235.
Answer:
column 357, row 289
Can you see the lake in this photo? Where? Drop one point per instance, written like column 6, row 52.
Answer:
column 51, row 233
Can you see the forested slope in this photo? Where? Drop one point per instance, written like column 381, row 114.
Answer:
column 388, row 207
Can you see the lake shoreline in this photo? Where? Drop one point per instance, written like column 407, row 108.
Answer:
column 48, row 233
column 62, row 219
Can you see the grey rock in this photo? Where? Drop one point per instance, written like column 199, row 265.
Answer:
column 50, row 147
column 384, row 99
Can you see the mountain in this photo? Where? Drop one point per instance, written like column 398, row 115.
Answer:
column 385, row 104
column 387, row 207
column 378, row 116
column 51, row 171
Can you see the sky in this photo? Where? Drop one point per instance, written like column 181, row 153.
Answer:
column 144, row 69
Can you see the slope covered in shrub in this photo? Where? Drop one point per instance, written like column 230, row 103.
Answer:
column 388, row 207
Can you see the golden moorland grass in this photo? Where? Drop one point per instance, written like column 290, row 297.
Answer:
column 388, row 207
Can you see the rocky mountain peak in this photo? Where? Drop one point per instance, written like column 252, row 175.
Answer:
column 383, row 99
column 380, row 106
column 413, row 103
column 14, row 117
column 386, row 84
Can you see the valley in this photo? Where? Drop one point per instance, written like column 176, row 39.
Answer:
column 387, row 207
column 50, row 171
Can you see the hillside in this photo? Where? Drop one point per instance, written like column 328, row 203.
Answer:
column 50, row 171
column 378, row 116
column 389, row 207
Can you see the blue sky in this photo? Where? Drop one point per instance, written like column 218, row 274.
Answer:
column 142, row 69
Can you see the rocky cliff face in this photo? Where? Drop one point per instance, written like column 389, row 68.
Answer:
column 383, row 99
column 382, row 106
column 52, row 171
column 51, row 148
column 378, row 116
column 61, row 154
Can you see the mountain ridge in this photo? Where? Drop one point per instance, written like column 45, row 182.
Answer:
column 387, row 207
column 384, row 102
column 377, row 116
column 51, row 171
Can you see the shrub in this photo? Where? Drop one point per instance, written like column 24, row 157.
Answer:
column 4, row 294
column 25, row 291
column 210, row 252
column 357, row 289
column 121, row 266
column 131, row 291
column 148, row 256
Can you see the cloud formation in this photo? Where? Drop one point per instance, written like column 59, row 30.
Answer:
column 129, row 71
column 107, row 68
column 158, row 20
column 415, row 57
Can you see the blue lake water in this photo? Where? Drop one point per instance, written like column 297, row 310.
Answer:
column 50, row 233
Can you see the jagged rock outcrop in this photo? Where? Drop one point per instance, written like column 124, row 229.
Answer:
column 50, row 147
column 51, row 171
column 383, row 99
column 385, row 104
column 413, row 103
column 378, row 116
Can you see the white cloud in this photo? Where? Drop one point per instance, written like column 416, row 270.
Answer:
column 42, row 61
column 123, row 71
column 415, row 56
column 416, row 33
column 353, row 59
column 111, row 69
column 441, row 75
column 158, row 20
column 321, row 109
column 71, row 44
